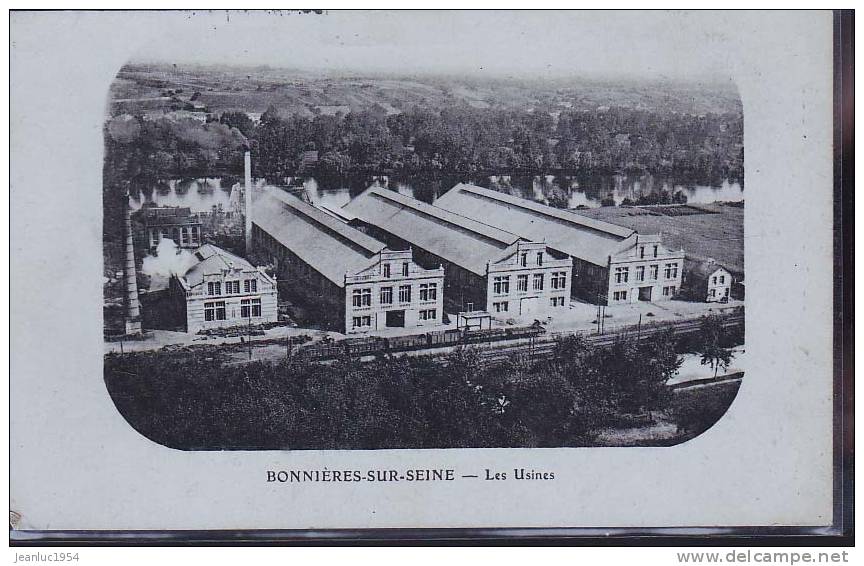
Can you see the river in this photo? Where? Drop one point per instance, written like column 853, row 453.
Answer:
column 201, row 195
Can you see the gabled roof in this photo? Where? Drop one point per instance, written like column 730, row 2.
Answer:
column 584, row 238
column 704, row 270
column 462, row 241
column 213, row 260
column 331, row 247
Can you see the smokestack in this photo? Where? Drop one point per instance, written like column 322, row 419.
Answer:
column 247, row 194
column 133, row 307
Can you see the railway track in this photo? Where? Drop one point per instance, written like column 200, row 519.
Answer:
column 543, row 347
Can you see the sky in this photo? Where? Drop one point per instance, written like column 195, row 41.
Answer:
column 676, row 45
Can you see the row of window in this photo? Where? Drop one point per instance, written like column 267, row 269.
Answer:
column 501, row 284
column 429, row 314
column 670, row 271
column 713, row 292
column 523, row 259
column 642, row 251
column 385, row 269
column 504, row 306
column 622, row 295
column 249, row 308
column 722, row 280
column 232, row 287
column 366, row 321
column 182, row 236
column 363, row 297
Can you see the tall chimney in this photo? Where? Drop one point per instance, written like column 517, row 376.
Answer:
column 247, row 194
column 133, row 307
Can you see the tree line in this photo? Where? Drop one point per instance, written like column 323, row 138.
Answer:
column 688, row 149
column 191, row 401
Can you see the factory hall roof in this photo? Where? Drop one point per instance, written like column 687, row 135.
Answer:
column 328, row 245
column 460, row 240
column 583, row 238
column 214, row 260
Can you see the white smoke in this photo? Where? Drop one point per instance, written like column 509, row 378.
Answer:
column 169, row 260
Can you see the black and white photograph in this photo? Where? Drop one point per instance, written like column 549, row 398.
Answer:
column 310, row 256
column 424, row 269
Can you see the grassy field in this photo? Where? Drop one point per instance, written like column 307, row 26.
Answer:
column 704, row 231
column 255, row 89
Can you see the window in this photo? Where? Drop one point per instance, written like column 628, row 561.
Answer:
column 214, row 288
column 184, row 235
column 361, row 297
column 430, row 314
column 714, row 280
column 539, row 258
column 524, row 259
column 250, row 286
column 522, row 283
column 670, row 271
column 722, row 279
column 557, row 301
column 619, row 295
column 386, row 295
column 622, row 274
column 361, row 321
column 712, row 293
column 214, row 311
column 385, row 270
column 538, row 281
column 405, row 269
column 501, row 285
column 232, row 287
column 503, row 306
column 640, row 273
column 250, row 307
column 654, row 270
column 405, row 293
column 655, row 251
column 641, row 252
column 669, row 291
column 428, row 291
column 559, row 280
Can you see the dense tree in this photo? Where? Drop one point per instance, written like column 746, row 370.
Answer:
column 197, row 401
column 710, row 343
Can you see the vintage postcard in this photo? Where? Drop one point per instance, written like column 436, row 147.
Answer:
column 320, row 270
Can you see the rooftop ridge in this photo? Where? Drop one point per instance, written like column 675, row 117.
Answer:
column 464, row 222
column 569, row 217
column 332, row 225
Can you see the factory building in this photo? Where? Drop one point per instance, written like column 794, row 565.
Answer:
column 611, row 264
column 170, row 222
column 644, row 271
column 223, row 290
column 347, row 279
column 486, row 268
